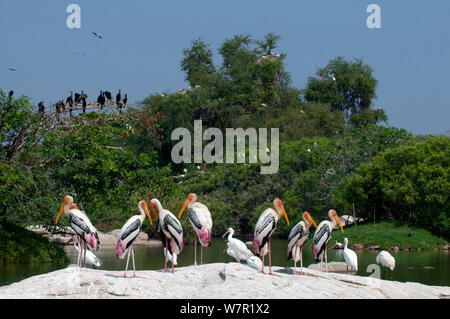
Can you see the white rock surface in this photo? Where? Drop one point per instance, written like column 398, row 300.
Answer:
column 208, row 281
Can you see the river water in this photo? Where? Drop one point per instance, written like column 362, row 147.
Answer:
column 427, row 267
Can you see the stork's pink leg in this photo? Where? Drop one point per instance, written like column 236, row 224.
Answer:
column 195, row 251
column 126, row 267
column 262, row 270
column 165, row 256
column 326, row 255
column 85, row 245
column 301, row 260
column 171, row 245
column 134, row 266
column 270, row 260
column 201, row 255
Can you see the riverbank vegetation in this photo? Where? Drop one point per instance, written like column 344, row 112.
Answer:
column 336, row 149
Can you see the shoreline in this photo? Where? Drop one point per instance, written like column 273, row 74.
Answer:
column 214, row 281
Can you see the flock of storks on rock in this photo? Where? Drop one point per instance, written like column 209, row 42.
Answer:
column 171, row 232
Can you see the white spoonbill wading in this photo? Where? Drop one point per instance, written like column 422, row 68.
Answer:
column 171, row 227
column 386, row 259
column 129, row 233
column 265, row 227
column 236, row 248
column 201, row 221
column 350, row 257
column 297, row 238
column 91, row 259
column 81, row 225
column 323, row 235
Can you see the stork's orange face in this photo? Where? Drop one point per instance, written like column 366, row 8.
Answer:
column 185, row 204
column 154, row 211
column 67, row 201
column 280, row 204
column 144, row 207
column 309, row 218
column 335, row 215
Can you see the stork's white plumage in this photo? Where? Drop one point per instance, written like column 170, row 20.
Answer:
column 254, row 262
column 91, row 259
column 323, row 235
column 170, row 227
column 236, row 248
column 297, row 238
column 201, row 221
column 350, row 257
column 129, row 233
column 386, row 259
column 80, row 224
column 265, row 227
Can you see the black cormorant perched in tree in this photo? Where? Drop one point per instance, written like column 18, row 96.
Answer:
column 125, row 100
column 69, row 101
column 118, row 98
column 83, row 100
column 77, row 98
column 101, row 99
column 41, row 107
column 11, row 93
column 108, row 95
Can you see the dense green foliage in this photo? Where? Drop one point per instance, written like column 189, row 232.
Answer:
column 409, row 183
column 20, row 245
column 108, row 162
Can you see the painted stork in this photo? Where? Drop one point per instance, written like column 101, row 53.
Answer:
column 350, row 257
column 167, row 250
column 91, row 259
column 129, row 233
column 171, row 228
column 265, row 227
column 236, row 248
column 201, row 221
column 81, row 225
column 323, row 235
column 386, row 259
column 297, row 238
column 170, row 257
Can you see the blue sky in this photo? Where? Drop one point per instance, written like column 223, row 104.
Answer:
column 143, row 41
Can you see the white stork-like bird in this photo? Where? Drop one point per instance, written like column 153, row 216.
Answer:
column 201, row 221
column 170, row 226
column 91, row 259
column 323, row 235
column 236, row 248
column 386, row 259
column 81, row 225
column 297, row 238
column 129, row 233
column 265, row 227
column 350, row 257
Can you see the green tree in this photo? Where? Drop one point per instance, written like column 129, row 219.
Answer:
column 347, row 86
column 198, row 64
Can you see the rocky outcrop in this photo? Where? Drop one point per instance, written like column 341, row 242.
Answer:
column 222, row 281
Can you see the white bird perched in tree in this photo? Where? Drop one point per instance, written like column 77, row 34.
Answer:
column 185, row 171
column 236, row 248
column 91, row 259
column 350, row 257
column 386, row 259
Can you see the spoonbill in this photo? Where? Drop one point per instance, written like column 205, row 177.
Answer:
column 201, row 221
column 297, row 238
column 350, row 257
column 236, row 248
column 129, row 232
column 91, row 259
column 265, row 227
column 80, row 224
column 170, row 226
column 386, row 259
column 323, row 235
